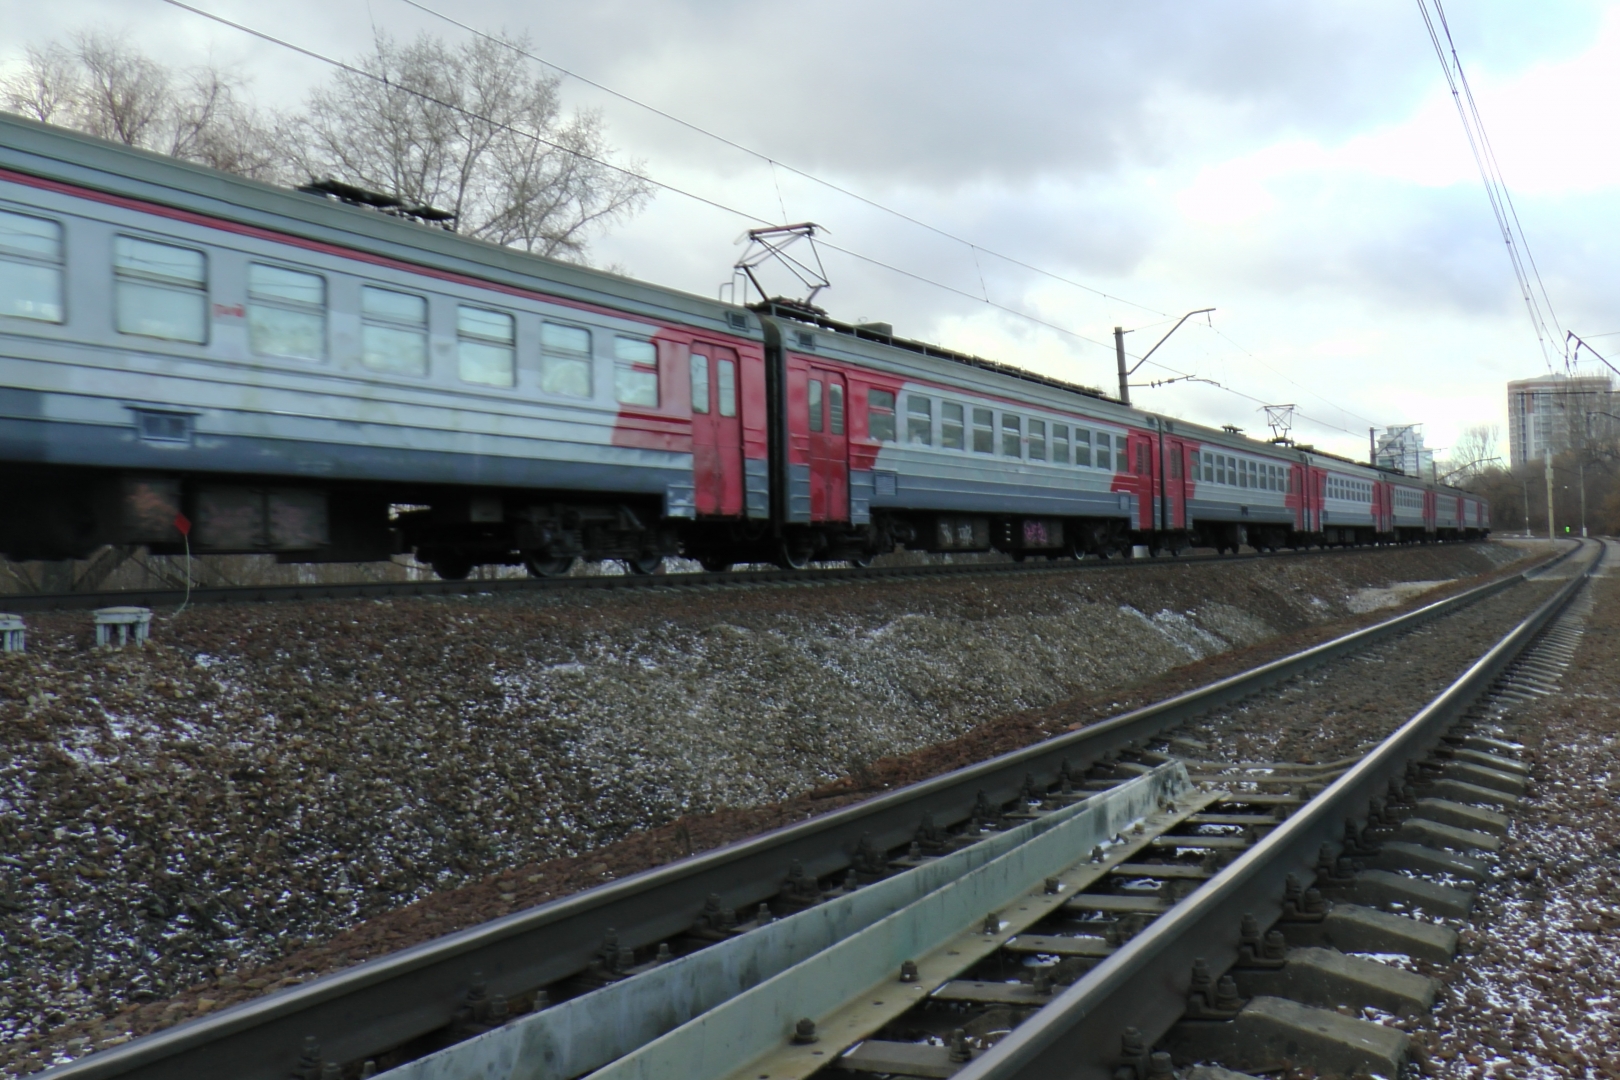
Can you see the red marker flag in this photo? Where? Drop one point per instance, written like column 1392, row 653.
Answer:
column 182, row 523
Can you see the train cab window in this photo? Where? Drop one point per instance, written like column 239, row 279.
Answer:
column 919, row 420
column 1082, row 447
column 565, row 360
column 880, row 415
column 30, row 268
column 286, row 312
column 817, row 405
column 1175, row 465
column 1012, row 436
column 835, row 409
column 161, row 290
column 635, row 372
column 393, row 332
column 1143, row 461
column 700, row 383
column 1060, row 444
column 984, row 431
column 1037, row 440
column 486, row 346
column 1105, row 451
column 951, row 427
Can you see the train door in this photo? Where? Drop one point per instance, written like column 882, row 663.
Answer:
column 1299, row 497
column 717, row 444
column 829, row 446
column 1175, row 485
column 1140, row 458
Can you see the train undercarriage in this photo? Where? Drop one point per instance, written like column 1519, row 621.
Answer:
column 57, row 513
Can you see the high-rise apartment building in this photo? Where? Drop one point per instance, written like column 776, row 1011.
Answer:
column 1559, row 413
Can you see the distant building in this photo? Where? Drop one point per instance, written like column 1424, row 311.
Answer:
column 1559, row 413
column 1401, row 448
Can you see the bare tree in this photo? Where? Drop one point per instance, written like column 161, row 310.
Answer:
column 471, row 130
column 104, row 87
column 1476, row 450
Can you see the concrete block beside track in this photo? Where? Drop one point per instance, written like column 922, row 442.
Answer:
column 1271, row 1033
column 1462, row 816
column 1438, row 834
column 1422, row 859
column 1328, row 978
column 1380, row 888
column 1495, row 779
column 1499, row 762
column 1473, row 794
column 1353, row 928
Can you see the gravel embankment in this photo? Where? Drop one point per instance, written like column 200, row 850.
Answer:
column 210, row 811
column 1343, row 707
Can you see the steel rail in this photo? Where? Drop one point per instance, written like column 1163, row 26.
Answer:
column 374, row 590
column 386, row 1002
column 1145, row 984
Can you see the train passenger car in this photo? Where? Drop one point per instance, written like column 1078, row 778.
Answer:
column 1236, row 491
column 293, row 375
column 884, row 442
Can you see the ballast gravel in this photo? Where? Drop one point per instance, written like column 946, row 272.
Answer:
column 242, row 802
column 1536, row 990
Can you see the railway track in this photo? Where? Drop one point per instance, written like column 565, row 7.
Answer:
column 1037, row 914
column 376, row 590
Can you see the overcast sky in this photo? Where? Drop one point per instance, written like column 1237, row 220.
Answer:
column 1299, row 167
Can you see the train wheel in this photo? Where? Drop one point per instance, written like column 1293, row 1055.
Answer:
column 790, row 556
column 714, row 564
column 646, row 565
column 540, row 567
column 861, row 561
column 452, row 566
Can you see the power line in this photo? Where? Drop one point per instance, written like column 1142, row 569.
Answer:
column 760, row 155
column 360, row 72
column 1490, row 172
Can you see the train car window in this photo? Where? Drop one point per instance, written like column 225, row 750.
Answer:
column 393, row 332
column 1175, row 466
column 30, row 267
column 700, row 383
column 951, row 426
column 1119, row 455
column 835, row 408
column 880, row 415
column 1105, row 451
column 565, row 360
column 1143, row 462
column 1060, row 444
column 816, row 405
column 286, row 312
column 162, row 290
column 984, row 431
column 1037, row 440
column 1082, row 447
column 1254, row 474
column 919, row 420
column 725, row 385
column 486, row 346
column 635, row 372
column 1012, row 436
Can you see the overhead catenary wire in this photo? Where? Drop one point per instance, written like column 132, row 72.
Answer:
column 713, row 203
column 830, row 185
column 1490, row 172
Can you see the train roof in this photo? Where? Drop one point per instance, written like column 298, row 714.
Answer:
column 113, row 169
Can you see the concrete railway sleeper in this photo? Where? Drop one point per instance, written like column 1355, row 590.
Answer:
column 1080, row 849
